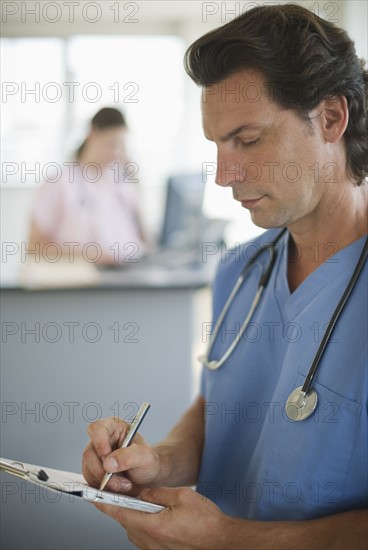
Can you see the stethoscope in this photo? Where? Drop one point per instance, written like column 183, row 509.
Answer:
column 302, row 401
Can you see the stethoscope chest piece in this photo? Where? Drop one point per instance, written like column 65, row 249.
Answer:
column 301, row 405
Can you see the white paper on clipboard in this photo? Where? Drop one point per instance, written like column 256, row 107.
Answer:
column 74, row 484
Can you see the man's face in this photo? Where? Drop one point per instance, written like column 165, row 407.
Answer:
column 276, row 165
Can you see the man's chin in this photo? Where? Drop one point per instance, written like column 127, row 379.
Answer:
column 266, row 223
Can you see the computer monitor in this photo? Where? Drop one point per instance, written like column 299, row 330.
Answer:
column 183, row 212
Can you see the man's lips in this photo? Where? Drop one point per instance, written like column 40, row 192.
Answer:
column 249, row 203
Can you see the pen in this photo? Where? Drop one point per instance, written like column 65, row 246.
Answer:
column 132, row 430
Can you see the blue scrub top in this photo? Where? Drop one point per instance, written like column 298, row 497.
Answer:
column 257, row 463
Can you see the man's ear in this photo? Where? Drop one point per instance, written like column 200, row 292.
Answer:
column 334, row 118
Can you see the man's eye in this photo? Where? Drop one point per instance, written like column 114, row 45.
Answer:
column 248, row 143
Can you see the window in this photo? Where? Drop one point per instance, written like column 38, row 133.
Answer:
column 53, row 87
column 32, row 117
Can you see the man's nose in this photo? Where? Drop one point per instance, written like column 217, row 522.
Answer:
column 229, row 171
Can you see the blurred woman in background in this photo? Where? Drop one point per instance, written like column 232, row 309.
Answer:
column 93, row 209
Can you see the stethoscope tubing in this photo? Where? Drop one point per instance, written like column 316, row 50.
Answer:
column 213, row 365
column 302, row 401
column 336, row 314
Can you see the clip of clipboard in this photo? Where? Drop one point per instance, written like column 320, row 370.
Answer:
column 73, row 484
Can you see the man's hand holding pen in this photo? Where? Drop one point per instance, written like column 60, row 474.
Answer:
column 189, row 521
column 137, row 465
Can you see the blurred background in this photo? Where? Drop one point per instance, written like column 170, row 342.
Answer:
column 62, row 62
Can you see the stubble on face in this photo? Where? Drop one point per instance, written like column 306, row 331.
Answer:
column 272, row 159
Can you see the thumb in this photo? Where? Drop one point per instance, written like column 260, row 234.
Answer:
column 159, row 495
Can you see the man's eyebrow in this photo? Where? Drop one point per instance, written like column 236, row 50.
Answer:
column 238, row 130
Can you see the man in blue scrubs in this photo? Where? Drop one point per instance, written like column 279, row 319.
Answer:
column 285, row 101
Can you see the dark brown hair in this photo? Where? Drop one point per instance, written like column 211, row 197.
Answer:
column 304, row 60
column 105, row 118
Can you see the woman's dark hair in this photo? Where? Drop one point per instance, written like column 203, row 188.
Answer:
column 304, row 60
column 105, row 118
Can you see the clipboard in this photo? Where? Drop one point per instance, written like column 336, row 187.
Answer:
column 70, row 483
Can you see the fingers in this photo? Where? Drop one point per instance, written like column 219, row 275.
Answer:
column 176, row 497
column 121, row 484
column 117, row 513
column 93, row 471
column 105, row 434
column 132, row 519
column 138, row 461
column 167, row 496
column 134, row 456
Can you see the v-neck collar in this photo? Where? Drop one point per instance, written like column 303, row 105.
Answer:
column 291, row 304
